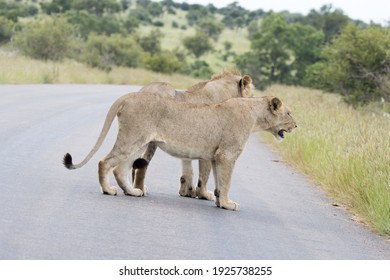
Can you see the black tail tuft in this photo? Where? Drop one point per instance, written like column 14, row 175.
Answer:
column 140, row 163
column 67, row 161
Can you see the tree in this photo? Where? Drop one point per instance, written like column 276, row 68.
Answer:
column 97, row 7
column 235, row 16
column 270, row 55
column 211, row 27
column 280, row 52
column 86, row 23
column 356, row 64
column 196, row 14
column 306, row 44
column 56, row 6
column 14, row 10
column 131, row 23
column 48, row 39
column 152, row 42
column 155, row 9
column 329, row 20
column 198, row 44
column 6, row 26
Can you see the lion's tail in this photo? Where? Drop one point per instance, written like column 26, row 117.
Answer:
column 67, row 160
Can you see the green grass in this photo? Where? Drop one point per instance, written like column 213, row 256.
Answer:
column 344, row 150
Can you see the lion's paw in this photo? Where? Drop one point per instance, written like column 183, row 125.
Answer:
column 144, row 189
column 109, row 191
column 230, row 205
column 186, row 189
column 205, row 195
column 134, row 192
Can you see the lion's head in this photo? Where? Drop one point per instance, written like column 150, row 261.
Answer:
column 280, row 118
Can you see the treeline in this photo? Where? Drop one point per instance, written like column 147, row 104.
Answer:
column 324, row 49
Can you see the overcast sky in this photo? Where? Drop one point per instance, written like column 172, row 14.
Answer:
column 366, row 10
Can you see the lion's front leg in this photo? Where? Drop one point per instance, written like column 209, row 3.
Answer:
column 223, row 169
column 186, row 188
column 204, row 174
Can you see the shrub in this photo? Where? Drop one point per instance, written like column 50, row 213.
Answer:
column 158, row 23
column 175, row 24
column 164, row 62
column 106, row 51
column 48, row 38
column 201, row 69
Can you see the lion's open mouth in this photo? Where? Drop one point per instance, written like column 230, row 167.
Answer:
column 281, row 133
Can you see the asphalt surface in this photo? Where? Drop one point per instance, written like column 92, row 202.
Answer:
column 49, row 212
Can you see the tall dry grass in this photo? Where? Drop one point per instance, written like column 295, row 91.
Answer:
column 344, row 150
column 17, row 69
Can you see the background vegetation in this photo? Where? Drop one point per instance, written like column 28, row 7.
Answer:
column 343, row 141
column 324, row 49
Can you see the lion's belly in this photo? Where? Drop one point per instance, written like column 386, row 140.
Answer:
column 185, row 151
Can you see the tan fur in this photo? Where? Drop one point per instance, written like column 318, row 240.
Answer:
column 225, row 85
column 215, row 132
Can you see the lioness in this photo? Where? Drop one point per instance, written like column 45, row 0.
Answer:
column 222, row 86
column 215, row 132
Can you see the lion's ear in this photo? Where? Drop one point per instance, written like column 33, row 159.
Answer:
column 245, row 86
column 275, row 104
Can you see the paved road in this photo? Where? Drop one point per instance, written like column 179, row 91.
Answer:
column 48, row 212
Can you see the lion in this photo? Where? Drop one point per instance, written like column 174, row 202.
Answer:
column 211, row 132
column 225, row 85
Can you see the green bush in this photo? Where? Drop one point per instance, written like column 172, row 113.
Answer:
column 106, row 51
column 164, row 62
column 49, row 38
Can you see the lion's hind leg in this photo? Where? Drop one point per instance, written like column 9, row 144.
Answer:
column 105, row 166
column 121, row 173
column 121, row 162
